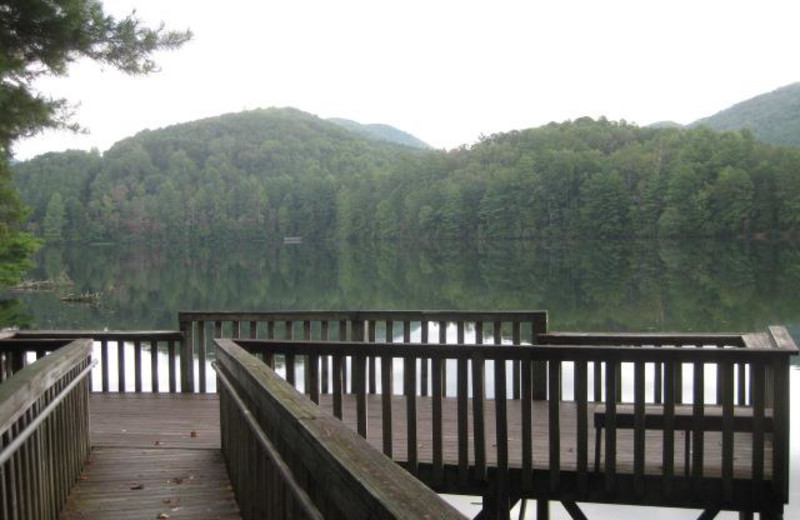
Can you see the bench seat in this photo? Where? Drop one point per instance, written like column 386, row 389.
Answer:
column 684, row 420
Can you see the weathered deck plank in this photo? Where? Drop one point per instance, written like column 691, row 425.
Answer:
column 127, row 420
column 141, row 420
column 147, row 440
column 153, row 456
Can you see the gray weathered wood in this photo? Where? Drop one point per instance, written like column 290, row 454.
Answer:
column 345, row 467
column 554, row 425
column 527, row 423
column 43, row 439
column 478, row 416
column 638, row 427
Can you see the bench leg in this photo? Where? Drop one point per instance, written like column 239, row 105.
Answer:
column 597, row 439
column 542, row 509
column 687, row 454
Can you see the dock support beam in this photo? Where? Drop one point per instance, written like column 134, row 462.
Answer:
column 542, row 509
column 574, row 511
column 495, row 508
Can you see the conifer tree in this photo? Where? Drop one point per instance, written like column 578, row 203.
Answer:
column 41, row 38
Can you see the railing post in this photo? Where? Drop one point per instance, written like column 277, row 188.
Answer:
column 780, row 340
column 539, row 326
column 359, row 379
column 187, row 355
column 17, row 361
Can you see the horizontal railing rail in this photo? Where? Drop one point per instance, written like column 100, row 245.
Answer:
column 638, row 339
column 289, row 459
column 129, row 361
column 576, row 376
column 44, row 432
column 427, row 327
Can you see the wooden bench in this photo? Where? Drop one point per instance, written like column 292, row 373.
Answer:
column 684, row 421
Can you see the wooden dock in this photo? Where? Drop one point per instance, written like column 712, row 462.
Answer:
column 476, row 403
column 153, row 456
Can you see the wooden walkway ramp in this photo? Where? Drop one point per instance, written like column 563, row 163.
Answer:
column 153, row 456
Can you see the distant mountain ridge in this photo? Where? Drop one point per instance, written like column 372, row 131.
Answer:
column 380, row 132
column 772, row 117
column 665, row 124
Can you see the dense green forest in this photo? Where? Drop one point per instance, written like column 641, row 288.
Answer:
column 277, row 172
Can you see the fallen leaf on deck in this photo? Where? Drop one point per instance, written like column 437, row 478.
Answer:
column 163, row 516
column 193, row 434
column 137, row 487
column 157, row 443
column 178, row 480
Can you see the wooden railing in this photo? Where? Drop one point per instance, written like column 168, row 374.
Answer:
column 16, row 353
column 751, row 394
column 427, row 327
column 489, row 373
column 44, row 428
column 154, row 357
column 162, row 361
column 639, row 370
column 288, row 459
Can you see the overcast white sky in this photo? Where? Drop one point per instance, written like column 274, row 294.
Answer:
column 445, row 71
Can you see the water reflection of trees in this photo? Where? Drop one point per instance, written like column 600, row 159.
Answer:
column 601, row 285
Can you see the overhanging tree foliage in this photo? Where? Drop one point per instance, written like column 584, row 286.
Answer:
column 40, row 38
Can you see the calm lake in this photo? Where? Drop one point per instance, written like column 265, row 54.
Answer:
column 703, row 286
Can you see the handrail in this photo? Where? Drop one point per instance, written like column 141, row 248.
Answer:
column 345, row 476
column 44, row 423
column 30, row 428
column 650, row 338
column 556, row 352
column 308, row 507
column 313, row 315
column 23, row 385
column 97, row 335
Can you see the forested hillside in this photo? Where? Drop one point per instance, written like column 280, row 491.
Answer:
column 272, row 173
column 773, row 117
column 260, row 173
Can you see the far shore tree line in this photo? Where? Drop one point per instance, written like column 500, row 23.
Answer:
column 266, row 174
